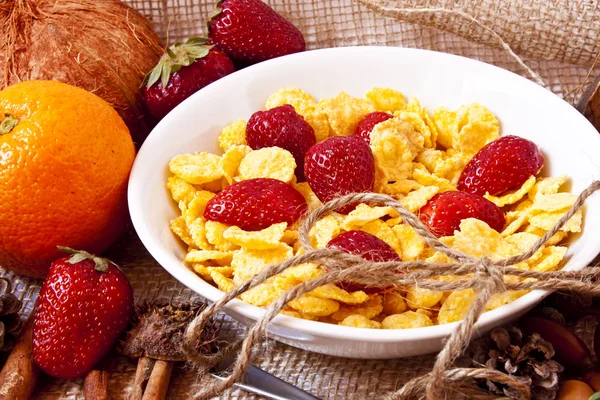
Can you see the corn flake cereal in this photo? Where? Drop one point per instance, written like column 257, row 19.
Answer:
column 196, row 168
column 393, row 303
column 358, row 321
column 406, row 320
column 344, row 112
column 417, row 155
column 268, row 238
column 233, row 135
column 386, row 99
column 513, row 196
column 268, row 162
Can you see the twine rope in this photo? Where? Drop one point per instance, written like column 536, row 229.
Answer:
column 484, row 275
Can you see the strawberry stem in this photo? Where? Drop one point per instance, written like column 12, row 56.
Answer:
column 100, row 264
column 7, row 124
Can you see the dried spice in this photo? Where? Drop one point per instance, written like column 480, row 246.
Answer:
column 158, row 332
column 508, row 351
column 10, row 320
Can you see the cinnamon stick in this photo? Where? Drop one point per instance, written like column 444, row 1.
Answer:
column 95, row 386
column 19, row 375
column 158, row 384
column 142, row 373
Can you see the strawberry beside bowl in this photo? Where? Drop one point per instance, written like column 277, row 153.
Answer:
column 569, row 144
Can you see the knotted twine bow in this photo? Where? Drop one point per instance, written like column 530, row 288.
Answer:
column 484, row 275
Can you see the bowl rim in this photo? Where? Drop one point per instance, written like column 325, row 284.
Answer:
column 302, row 326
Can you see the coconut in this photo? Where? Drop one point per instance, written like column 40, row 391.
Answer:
column 104, row 47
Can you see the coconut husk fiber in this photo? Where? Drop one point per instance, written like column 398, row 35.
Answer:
column 105, row 47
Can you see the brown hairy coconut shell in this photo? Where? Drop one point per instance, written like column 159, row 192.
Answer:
column 102, row 46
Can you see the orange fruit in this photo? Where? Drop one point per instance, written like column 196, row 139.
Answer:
column 65, row 157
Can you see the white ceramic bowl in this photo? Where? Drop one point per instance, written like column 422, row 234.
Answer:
column 569, row 143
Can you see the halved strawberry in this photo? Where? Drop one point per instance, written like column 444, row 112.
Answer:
column 256, row 204
column 444, row 212
column 503, row 164
column 364, row 127
column 367, row 246
column 282, row 127
column 338, row 166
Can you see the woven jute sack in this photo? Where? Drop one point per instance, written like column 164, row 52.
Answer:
column 564, row 30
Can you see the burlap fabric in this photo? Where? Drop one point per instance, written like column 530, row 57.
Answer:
column 324, row 24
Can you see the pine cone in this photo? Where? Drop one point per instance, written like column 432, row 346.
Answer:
column 529, row 358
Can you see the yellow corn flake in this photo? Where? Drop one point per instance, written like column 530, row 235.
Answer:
column 344, row 112
column 546, row 186
column 196, row 168
column 521, row 242
column 432, row 128
column 201, row 256
column 268, row 238
column 551, row 258
column 323, row 231
column 223, row 283
column 180, row 189
column 451, row 168
column 358, row 321
column 477, row 239
column 395, row 144
column 446, row 124
column 427, row 179
column 515, row 224
column 403, row 186
column 311, row 198
column 195, row 208
column 556, row 239
column 248, row 263
column 233, row 135
column 384, row 232
column 289, row 237
column 411, row 243
column 546, row 221
column 456, row 306
column 297, row 98
column 364, row 214
column 331, row 291
column 386, row 99
column 269, row 291
column 197, row 229
column 214, row 186
column 315, row 306
column 477, row 126
column 553, row 203
column 500, row 299
column 204, row 271
column 393, row 303
column 230, row 161
column 179, row 227
column 214, row 235
column 422, row 298
column 381, row 176
column 513, row 196
column 418, row 124
column 431, row 158
column 406, row 320
column 417, row 199
column 269, row 162
column 369, row 309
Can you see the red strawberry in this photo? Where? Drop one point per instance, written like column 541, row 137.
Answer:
column 282, row 127
column 503, row 164
column 444, row 211
column 256, row 204
column 249, row 31
column 364, row 127
column 183, row 70
column 338, row 166
column 84, row 305
column 367, row 246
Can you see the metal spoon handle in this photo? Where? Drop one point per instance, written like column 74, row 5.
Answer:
column 261, row 382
